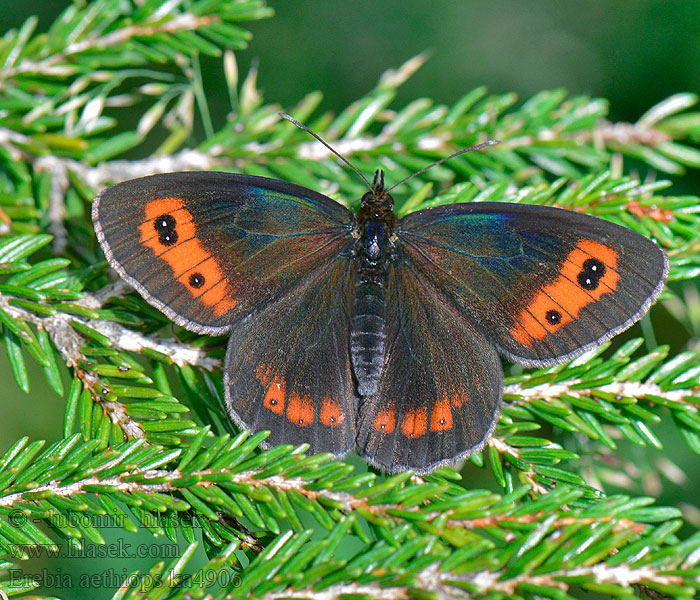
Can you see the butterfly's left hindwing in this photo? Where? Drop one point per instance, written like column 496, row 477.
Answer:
column 543, row 284
column 288, row 366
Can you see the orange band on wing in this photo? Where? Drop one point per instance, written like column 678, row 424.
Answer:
column 192, row 264
column 298, row 409
column 561, row 301
column 160, row 206
column 274, row 396
column 276, row 391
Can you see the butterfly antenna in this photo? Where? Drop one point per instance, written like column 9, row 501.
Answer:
column 327, row 145
column 442, row 160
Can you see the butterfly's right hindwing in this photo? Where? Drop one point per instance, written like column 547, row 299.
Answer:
column 439, row 393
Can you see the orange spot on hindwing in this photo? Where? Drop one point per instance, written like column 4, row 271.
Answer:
column 385, row 421
column 300, row 410
column 170, row 231
column 587, row 273
column 297, row 408
column 415, row 422
column 441, row 415
column 275, row 393
column 331, row 413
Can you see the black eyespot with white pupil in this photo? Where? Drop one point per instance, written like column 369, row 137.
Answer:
column 196, row 280
column 165, row 228
column 553, row 317
column 591, row 274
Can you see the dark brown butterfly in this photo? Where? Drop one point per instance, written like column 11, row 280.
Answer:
column 362, row 332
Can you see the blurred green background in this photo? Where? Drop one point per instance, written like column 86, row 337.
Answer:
column 632, row 52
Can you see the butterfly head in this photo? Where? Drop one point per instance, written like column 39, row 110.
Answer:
column 378, row 196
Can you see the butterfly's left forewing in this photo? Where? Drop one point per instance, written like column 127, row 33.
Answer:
column 543, row 284
column 209, row 248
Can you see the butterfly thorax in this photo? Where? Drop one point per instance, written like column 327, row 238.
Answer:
column 375, row 222
column 374, row 253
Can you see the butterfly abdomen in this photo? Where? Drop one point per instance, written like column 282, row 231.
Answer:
column 367, row 335
column 368, row 325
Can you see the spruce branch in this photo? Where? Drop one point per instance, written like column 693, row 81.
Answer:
column 540, row 543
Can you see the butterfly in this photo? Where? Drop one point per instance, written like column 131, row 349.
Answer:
column 364, row 332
